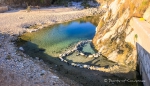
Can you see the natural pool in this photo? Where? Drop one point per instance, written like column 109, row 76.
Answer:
column 49, row 42
column 57, row 38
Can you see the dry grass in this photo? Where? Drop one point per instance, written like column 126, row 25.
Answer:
column 101, row 24
column 108, row 2
column 136, row 9
column 141, row 8
column 131, row 9
column 123, row 7
column 109, row 14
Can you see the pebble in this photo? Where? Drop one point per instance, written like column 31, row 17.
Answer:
column 37, row 58
column 21, row 48
column 82, row 54
column 55, row 77
column 43, row 72
column 85, row 66
column 96, row 55
column 90, row 56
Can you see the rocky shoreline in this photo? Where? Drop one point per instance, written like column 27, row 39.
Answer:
column 19, row 69
column 78, row 48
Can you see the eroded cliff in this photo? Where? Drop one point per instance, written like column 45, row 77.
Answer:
column 115, row 38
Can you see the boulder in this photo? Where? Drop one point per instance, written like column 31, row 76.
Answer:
column 3, row 9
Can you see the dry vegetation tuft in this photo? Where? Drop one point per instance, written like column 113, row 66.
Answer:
column 101, row 23
column 141, row 8
column 136, row 7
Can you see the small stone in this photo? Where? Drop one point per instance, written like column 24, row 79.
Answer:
column 43, row 72
column 55, row 77
column 77, row 54
column 64, row 55
column 78, row 65
column 21, row 48
column 72, row 64
column 81, row 66
column 96, row 55
column 82, row 54
column 90, row 56
column 61, row 59
column 37, row 58
column 65, row 61
column 60, row 55
column 85, row 66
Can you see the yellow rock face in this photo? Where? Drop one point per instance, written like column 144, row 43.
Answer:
column 113, row 37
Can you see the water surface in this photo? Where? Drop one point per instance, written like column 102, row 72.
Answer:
column 57, row 38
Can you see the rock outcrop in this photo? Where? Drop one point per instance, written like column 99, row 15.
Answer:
column 113, row 37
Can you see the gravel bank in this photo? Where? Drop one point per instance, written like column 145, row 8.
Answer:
column 18, row 69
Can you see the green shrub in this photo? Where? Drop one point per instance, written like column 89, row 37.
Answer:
column 136, row 36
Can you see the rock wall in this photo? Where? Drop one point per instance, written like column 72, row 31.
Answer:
column 113, row 37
